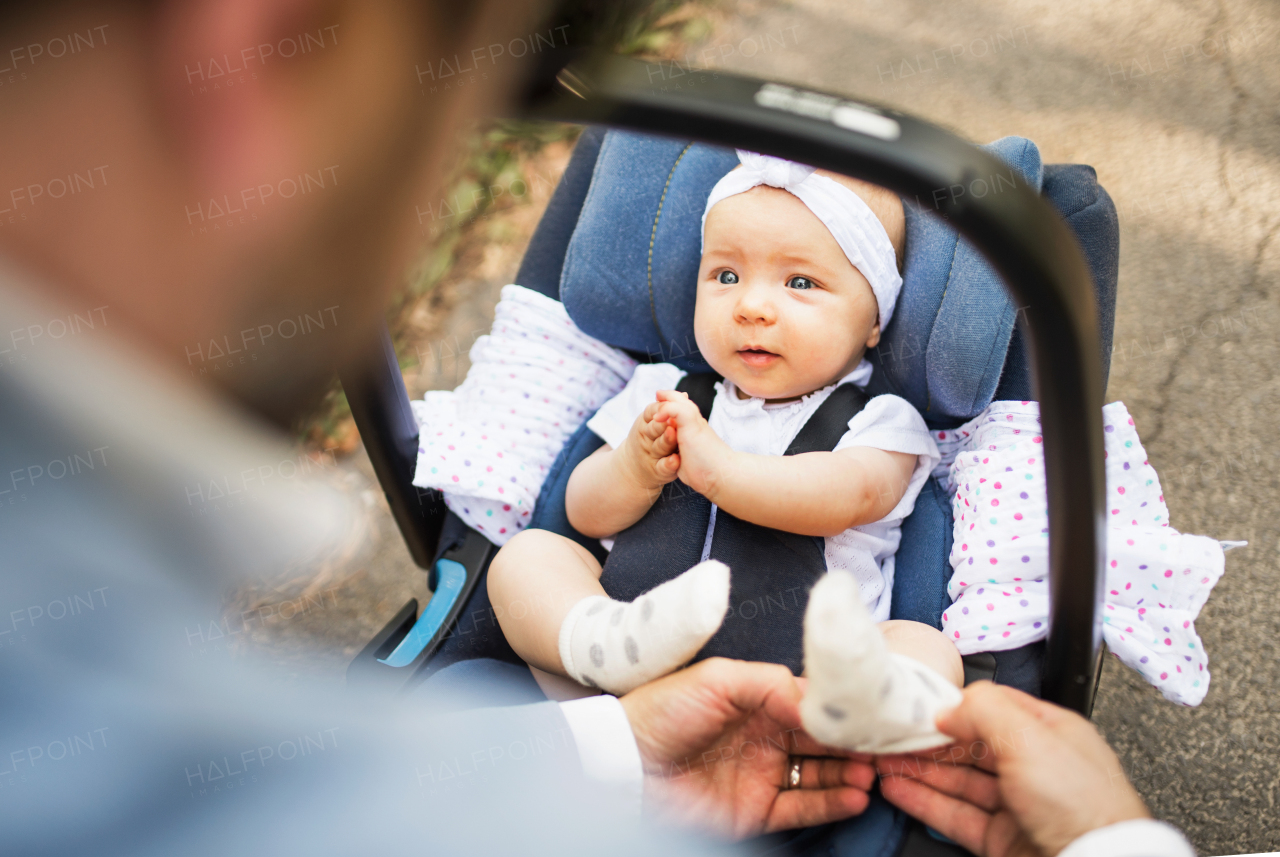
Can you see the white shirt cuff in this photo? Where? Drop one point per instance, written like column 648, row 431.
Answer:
column 1140, row 837
column 607, row 746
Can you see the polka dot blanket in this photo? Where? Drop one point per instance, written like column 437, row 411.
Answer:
column 1157, row 578
column 534, row 379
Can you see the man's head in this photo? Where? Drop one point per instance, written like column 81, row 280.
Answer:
column 235, row 177
column 781, row 311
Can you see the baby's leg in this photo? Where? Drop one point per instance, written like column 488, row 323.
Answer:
column 873, row 688
column 546, row 592
column 534, row 581
column 925, row 644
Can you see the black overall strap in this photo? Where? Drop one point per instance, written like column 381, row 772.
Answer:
column 701, row 388
column 820, row 434
column 830, row 421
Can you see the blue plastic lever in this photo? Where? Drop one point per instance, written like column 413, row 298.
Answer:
column 451, row 576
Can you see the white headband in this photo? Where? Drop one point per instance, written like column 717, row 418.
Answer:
column 851, row 222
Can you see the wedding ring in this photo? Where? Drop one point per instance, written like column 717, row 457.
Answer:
column 793, row 776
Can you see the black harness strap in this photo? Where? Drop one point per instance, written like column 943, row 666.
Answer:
column 830, row 421
column 701, row 387
column 820, row 434
column 772, row 570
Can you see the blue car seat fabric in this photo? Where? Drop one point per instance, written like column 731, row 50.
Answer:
column 619, row 245
column 631, row 268
column 944, row 351
column 1074, row 191
column 544, row 259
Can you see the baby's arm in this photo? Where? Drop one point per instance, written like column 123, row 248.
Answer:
column 814, row 493
column 611, row 489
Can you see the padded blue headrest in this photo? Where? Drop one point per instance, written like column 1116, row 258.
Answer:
column 946, row 344
column 630, row 274
column 631, row 271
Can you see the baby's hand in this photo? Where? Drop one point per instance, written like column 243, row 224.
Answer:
column 702, row 454
column 650, row 449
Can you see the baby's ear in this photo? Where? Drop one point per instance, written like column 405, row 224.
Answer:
column 874, row 338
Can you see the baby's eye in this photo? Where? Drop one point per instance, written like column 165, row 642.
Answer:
column 799, row 283
column 727, row 277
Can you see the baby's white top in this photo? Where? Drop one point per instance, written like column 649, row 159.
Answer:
column 750, row 425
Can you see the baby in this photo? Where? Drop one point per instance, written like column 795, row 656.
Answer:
column 799, row 276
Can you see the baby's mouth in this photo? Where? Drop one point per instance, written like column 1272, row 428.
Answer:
column 757, row 357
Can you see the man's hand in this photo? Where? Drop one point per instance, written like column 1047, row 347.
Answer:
column 1025, row 777
column 716, row 740
column 702, row 454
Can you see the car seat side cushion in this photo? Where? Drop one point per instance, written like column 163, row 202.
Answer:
column 1074, row 191
column 544, row 259
column 970, row 335
column 631, row 267
column 1091, row 214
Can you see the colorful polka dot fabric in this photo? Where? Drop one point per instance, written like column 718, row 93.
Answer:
column 1157, row 578
column 489, row 444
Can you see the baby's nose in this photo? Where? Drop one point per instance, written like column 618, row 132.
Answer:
column 755, row 303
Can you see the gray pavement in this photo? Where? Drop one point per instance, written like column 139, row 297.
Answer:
column 1175, row 105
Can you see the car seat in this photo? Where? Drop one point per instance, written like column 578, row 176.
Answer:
column 618, row 245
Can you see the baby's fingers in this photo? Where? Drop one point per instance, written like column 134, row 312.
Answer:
column 652, row 429
column 672, row 396
column 678, row 412
column 665, row 444
column 669, row 466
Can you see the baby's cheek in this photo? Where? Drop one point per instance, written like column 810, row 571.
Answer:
column 709, row 323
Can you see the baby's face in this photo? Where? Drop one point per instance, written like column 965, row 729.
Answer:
column 781, row 311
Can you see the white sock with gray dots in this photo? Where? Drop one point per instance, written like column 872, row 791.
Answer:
column 617, row 646
column 861, row 696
